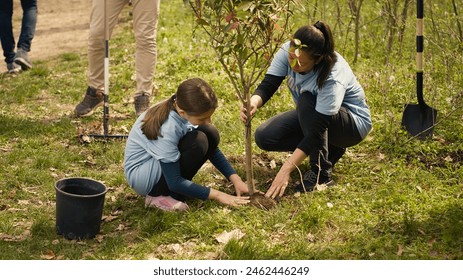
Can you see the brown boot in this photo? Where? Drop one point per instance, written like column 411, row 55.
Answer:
column 93, row 98
column 142, row 102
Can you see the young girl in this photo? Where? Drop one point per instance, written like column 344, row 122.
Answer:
column 170, row 142
column 331, row 110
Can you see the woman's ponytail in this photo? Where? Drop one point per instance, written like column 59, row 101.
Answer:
column 327, row 54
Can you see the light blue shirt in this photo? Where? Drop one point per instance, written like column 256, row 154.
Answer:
column 340, row 88
column 143, row 156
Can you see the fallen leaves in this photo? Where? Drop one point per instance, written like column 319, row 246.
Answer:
column 226, row 236
column 15, row 238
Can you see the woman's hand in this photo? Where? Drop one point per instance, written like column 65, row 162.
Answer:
column 255, row 102
column 228, row 199
column 279, row 184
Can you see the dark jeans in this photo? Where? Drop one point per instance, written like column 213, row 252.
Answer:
column 284, row 132
column 195, row 149
column 29, row 21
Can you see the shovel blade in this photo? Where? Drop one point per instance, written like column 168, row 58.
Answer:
column 419, row 120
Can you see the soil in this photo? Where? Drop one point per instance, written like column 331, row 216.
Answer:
column 62, row 26
column 259, row 200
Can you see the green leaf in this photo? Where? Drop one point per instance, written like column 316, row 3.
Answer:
column 228, row 27
column 201, row 21
column 245, row 6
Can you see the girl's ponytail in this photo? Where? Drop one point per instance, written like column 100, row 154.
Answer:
column 155, row 117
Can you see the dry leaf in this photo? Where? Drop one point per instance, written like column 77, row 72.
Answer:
column 99, row 238
column 273, row 164
column 226, row 236
column 48, row 256
column 400, row 251
column 310, row 237
column 85, row 139
column 321, row 187
column 448, row 159
column 109, row 218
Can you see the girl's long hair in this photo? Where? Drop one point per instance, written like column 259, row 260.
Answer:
column 194, row 96
column 318, row 42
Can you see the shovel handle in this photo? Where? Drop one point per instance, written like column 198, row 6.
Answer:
column 106, row 71
column 419, row 50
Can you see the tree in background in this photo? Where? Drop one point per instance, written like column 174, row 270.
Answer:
column 245, row 35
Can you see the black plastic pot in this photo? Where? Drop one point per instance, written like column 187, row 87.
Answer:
column 79, row 207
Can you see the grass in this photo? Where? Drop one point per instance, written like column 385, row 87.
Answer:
column 395, row 197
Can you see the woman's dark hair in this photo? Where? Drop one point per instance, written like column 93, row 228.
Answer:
column 317, row 41
column 194, row 96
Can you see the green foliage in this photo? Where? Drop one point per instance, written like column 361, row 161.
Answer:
column 245, row 35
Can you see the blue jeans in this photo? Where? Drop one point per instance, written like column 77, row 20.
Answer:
column 29, row 21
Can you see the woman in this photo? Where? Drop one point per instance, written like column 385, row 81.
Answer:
column 331, row 111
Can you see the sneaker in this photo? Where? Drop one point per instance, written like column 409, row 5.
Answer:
column 13, row 68
column 142, row 102
column 310, row 181
column 22, row 59
column 93, row 98
column 165, row 203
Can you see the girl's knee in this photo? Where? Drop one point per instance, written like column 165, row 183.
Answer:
column 212, row 134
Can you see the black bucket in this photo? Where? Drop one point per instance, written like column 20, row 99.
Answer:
column 79, row 207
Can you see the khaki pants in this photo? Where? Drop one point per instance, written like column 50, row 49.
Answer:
column 145, row 20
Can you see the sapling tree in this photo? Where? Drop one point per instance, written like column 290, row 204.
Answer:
column 245, row 35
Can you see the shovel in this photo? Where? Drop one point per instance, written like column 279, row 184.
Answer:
column 419, row 119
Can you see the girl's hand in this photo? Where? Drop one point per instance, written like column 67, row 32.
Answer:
column 279, row 184
column 228, row 199
column 240, row 186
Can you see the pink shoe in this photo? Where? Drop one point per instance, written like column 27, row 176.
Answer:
column 165, row 203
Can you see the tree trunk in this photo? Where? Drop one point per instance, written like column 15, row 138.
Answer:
column 248, row 132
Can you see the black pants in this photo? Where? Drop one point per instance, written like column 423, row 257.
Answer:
column 285, row 131
column 195, row 149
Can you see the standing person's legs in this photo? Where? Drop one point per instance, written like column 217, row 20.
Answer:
column 29, row 21
column 145, row 21
column 96, row 37
column 6, row 30
column 96, row 52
